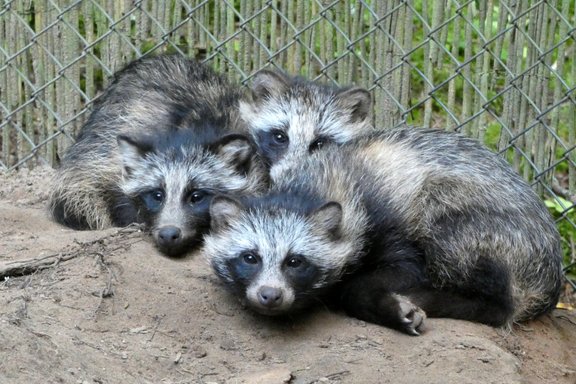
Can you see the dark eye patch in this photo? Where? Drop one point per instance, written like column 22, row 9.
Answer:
column 272, row 144
column 244, row 267
column 300, row 271
column 153, row 199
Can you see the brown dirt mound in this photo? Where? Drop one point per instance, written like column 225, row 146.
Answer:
column 105, row 307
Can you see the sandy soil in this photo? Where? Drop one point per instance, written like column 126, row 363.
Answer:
column 107, row 308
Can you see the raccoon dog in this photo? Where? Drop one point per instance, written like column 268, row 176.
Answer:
column 158, row 143
column 392, row 228
column 292, row 115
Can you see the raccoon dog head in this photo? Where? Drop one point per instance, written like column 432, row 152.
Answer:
column 171, row 184
column 293, row 116
column 275, row 259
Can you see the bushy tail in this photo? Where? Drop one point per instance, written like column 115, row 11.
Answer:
column 79, row 198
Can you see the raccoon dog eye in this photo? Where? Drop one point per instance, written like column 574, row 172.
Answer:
column 197, row 196
column 157, row 195
column 279, row 137
column 153, row 199
column 250, row 258
column 294, row 262
column 318, row 143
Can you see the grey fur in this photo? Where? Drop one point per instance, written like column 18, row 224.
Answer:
column 308, row 114
column 420, row 179
column 150, row 103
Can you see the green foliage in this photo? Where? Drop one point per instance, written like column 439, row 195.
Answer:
column 564, row 212
column 492, row 135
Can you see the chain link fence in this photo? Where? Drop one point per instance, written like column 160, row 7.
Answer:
column 501, row 71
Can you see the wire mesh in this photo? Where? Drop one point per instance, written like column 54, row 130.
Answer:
column 501, row 71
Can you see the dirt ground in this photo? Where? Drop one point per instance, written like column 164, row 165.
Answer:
column 105, row 307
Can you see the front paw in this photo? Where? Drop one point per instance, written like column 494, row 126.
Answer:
column 411, row 316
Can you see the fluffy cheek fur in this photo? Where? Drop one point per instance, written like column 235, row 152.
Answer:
column 175, row 225
column 276, row 240
column 247, row 281
column 297, row 287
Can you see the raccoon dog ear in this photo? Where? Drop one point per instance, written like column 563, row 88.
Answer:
column 132, row 152
column 223, row 211
column 327, row 218
column 234, row 149
column 268, row 83
column 358, row 101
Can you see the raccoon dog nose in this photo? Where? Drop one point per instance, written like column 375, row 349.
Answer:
column 270, row 297
column 169, row 235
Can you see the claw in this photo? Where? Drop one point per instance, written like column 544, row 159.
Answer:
column 411, row 316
